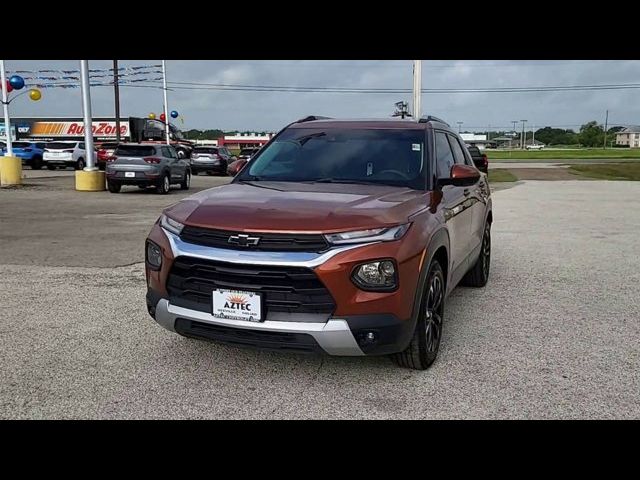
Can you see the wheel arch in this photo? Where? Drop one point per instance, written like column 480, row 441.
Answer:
column 438, row 247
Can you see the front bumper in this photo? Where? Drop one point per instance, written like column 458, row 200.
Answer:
column 337, row 336
column 209, row 167
column 388, row 317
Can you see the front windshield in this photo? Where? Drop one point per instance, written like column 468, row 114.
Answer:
column 334, row 155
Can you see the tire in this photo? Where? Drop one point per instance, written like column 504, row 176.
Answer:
column 423, row 348
column 80, row 164
column 186, row 182
column 102, row 167
column 195, row 173
column 479, row 273
column 114, row 187
column 163, row 187
column 50, row 167
column 36, row 163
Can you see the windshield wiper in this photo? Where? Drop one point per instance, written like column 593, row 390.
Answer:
column 304, row 139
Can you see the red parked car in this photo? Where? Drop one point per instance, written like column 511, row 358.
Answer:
column 105, row 153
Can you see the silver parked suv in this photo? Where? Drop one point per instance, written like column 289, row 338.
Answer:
column 147, row 165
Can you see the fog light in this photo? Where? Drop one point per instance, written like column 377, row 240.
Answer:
column 367, row 338
column 376, row 276
column 154, row 255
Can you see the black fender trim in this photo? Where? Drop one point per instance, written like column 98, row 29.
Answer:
column 439, row 239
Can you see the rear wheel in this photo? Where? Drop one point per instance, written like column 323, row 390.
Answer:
column 80, row 164
column 164, row 185
column 113, row 187
column 195, row 173
column 479, row 273
column 423, row 348
column 36, row 163
column 186, row 182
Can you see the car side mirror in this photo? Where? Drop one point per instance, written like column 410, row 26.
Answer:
column 461, row 176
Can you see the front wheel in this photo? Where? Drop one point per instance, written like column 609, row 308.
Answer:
column 479, row 273
column 80, row 164
column 423, row 348
column 36, row 163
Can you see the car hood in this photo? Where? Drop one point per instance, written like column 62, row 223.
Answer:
column 298, row 207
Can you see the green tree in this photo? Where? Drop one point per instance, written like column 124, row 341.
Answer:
column 591, row 134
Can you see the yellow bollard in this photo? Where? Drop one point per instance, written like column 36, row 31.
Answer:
column 92, row 181
column 10, row 171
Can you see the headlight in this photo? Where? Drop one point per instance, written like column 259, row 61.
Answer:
column 372, row 235
column 153, row 255
column 377, row 276
column 170, row 224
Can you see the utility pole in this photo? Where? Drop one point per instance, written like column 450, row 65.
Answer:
column 166, row 106
column 514, row 124
column 606, row 124
column 522, row 135
column 5, row 106
column 533, row 133
column 459, row 125
column 116, row 94
column 417, row 88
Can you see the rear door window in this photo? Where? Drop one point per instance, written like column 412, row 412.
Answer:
column 444, row 156
column 458, row 154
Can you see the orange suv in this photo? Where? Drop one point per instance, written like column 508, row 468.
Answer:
column 339, row 236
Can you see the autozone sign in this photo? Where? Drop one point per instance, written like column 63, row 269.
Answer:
column 69, row 129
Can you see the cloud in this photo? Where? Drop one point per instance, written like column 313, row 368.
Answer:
column 231, row 110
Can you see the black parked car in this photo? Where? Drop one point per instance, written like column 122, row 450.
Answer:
column 479, row 159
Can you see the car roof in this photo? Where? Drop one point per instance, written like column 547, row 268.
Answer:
column 372, row 123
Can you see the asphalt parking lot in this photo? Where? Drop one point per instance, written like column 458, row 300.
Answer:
column 555, row 333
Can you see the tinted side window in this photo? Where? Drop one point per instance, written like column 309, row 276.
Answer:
column 458, row 155
column 165, row 152
column 444, row 157
column 81, row 146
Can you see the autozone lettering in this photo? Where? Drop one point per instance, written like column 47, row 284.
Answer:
column 58, row 129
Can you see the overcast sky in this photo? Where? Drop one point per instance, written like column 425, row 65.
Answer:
column 242, row 110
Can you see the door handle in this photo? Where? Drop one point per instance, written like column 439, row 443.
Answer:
column 466, row 192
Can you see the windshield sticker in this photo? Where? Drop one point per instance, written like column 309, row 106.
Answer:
column 415, row 147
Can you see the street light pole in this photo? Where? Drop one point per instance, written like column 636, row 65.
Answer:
column 5, row 106
column 116, row 94
column 86, row 110
column 166, row 107
column 606, row 125
column 459, row 125
column 417, row 89
column 522, row 135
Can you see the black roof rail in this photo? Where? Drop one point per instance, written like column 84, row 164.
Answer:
column 431, row 118
column 311, row 118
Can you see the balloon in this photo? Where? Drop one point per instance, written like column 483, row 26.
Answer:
column 174, row 114
column 9, row 87
column 17, row 82
column 152, row 116
column 162, row 117
column 35, row 95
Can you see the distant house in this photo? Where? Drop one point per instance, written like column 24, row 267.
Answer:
column 630, row 137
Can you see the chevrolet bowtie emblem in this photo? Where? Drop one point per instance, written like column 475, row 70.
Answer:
column 243, row 240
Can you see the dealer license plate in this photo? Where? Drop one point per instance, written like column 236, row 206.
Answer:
column 237, row 305
column 129, row 174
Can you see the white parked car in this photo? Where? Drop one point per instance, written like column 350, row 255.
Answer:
column 537, row 146
column 64, row 154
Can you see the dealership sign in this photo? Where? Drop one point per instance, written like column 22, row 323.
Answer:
column 70, row 129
